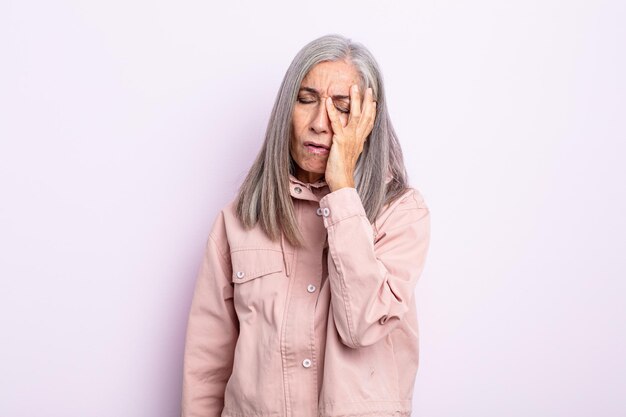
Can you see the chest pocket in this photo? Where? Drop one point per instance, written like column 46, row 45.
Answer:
column 249, row 264
column 260, row 282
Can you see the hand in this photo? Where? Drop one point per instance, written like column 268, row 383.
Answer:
column 348, row 140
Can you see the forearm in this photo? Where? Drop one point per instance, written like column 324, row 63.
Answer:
column 372, row 285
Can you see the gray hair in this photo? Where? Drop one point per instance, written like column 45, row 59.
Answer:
column 264, row 194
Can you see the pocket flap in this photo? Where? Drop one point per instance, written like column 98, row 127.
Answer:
column 249, row 264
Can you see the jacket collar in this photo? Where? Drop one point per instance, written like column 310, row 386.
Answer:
column 302, row 191
column 306, row 190
column 322, row 182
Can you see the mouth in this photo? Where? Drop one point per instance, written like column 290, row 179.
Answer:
column 317, row 148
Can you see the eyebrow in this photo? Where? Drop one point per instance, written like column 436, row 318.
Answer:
column 314, row 91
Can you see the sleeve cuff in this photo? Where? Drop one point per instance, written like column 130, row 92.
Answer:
column 341, row 204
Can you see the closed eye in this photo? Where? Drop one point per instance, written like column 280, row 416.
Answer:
column 309, row 101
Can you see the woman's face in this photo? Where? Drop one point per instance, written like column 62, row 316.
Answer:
column 310, row 120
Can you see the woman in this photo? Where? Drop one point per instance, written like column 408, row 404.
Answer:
column 304, row 303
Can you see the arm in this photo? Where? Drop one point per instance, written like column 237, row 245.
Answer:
column 372, row 285
column 212, row 331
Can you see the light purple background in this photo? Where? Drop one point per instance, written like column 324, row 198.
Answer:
column 126, row 125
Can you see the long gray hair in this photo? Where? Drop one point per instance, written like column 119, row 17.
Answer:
column 264, row 194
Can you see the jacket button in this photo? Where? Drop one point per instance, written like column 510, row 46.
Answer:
column 298, row 190
column 306, row 363
column 240, row 274
column 310, row 288
column 319, row 211
column 326, row 211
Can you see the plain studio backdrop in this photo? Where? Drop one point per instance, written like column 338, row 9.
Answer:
column 126, row 125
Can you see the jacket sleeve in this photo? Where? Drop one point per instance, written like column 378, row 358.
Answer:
column 212, row 331
column 372, row 283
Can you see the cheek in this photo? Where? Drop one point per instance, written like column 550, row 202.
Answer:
column 296, row 137
column 296, row 122
column 300, row 119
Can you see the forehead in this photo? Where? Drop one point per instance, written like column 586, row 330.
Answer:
column 335, row 77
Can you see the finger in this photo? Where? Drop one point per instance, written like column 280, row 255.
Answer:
column 371, row 125
column 372, row 120
column 369, row 113
column 368, row 102
column 355, row 103
column 333, row 114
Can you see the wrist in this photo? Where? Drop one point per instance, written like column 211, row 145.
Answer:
column 340, row 185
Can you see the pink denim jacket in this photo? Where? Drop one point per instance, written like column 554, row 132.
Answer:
column 330, row 330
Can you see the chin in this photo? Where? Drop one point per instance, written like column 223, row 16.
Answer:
column 317, row 170
column 316, row 167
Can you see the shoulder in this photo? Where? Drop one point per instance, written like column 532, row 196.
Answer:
column 407, row 208
column 221, row 225
column 410, row 199
column 231, row 234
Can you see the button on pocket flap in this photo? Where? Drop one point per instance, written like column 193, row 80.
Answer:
column 249, row 264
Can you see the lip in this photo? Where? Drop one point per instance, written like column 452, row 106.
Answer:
column 322, row 150
column 308, row 142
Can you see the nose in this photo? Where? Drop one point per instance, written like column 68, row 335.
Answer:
column 321, row 121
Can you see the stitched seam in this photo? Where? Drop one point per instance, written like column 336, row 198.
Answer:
column 283, row 349
column 364, row 401
column 403, row 225
column 277, row 267
column 347, row 217
column 379, row 413
column 236, row 414
column 253, row 275
column 283, row 346
column 246, row 248
column 220, row 251
column 314, row 356
column 346, row 298
column 420, row 203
